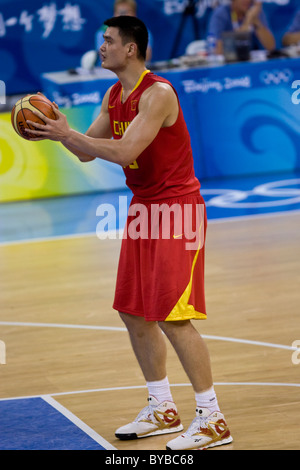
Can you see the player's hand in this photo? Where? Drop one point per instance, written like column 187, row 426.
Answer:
column 56, row 130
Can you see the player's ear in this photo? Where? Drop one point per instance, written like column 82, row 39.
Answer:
column 132, row 48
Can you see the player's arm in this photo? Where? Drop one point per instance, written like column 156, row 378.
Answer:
column 158, row 108
column 99, row 128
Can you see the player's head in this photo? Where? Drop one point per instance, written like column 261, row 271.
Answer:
column 125, row 8
column 131, row 29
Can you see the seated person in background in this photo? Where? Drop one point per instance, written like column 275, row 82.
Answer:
column 241, row 16
column 292, row 36
column 124, row 8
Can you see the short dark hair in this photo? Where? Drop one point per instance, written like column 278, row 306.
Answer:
column 131, row 29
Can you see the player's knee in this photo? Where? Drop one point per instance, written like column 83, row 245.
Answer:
column 125, row 317
column 131, row 321
column 172, row 327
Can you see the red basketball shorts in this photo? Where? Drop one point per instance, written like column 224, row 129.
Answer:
column 161, row 266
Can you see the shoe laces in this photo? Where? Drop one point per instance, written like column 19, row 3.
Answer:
column 197, row 423
column 146, row 414
column 200, row 423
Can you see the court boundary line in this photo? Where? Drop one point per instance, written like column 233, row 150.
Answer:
column 141, row 387
column 119, row 232
column 48, row 398
column 123, row 329
column 78, row 422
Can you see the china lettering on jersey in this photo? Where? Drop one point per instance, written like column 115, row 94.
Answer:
column 165, row 168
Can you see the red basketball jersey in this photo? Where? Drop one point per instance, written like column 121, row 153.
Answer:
column 165, row 168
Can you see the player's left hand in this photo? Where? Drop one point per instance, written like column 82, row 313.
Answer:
column 55, row 130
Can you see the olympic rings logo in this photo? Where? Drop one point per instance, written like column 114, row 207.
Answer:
column 275, row 77
column 274, row 194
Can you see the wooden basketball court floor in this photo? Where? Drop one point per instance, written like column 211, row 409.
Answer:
column 66, row 347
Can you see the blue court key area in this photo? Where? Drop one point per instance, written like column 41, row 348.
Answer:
column 33, row 424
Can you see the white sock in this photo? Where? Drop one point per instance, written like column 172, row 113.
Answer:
column 207, row 399
column 160, row 389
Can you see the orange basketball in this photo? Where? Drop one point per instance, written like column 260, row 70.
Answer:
column 22, row 111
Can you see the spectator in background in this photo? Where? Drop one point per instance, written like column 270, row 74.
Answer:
column 292, row 36
column 241, row 16
column 124, row 8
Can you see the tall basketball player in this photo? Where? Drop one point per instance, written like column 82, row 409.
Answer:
column 160, row 282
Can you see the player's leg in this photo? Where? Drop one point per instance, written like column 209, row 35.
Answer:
column 148, row 345
column 160, row 416
column 209, row 428
column 192, row 352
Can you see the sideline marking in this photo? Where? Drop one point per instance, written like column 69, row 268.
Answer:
column 138, row 387
column 61, row 325
column 80, row 424
column 115, row 328
column 99, row 439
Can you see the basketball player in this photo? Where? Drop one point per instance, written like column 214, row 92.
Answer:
column 160, row 282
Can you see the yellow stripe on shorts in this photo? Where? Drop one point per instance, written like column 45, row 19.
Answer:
column 183, row 310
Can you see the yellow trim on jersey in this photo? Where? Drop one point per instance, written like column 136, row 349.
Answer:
column 183, row 310
column 137, row 83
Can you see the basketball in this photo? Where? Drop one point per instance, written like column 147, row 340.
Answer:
column 22, row 111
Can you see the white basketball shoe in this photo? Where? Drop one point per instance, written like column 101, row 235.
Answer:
column 156, row 418
column 207, row 430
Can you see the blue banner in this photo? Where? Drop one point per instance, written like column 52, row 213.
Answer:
column 243, row 118
column 51, row 35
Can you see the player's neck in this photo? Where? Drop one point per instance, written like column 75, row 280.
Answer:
column 129, row 79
